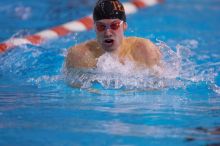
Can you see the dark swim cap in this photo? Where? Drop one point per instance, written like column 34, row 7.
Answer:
column 109, row 9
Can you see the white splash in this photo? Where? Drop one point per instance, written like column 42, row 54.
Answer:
column 177, row 69
column 109, row 63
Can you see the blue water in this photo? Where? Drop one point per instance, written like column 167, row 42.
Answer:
column 38, row 107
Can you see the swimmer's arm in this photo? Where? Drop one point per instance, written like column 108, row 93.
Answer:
column 79, row 56
column 146, row 52
column 73, row 56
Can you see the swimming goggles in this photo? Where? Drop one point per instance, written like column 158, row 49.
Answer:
column 114, row 25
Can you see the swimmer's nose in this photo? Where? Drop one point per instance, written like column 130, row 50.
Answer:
column 108, row 33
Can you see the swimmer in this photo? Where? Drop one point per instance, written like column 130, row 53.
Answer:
column 109, row 24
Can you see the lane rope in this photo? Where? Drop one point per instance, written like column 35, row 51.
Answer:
column 83, row 24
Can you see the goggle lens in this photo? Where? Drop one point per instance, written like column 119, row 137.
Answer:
column 114, row 25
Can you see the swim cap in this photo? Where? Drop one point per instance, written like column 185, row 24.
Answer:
column 109, row 9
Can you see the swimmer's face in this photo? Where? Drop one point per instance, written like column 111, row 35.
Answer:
column 110, row 33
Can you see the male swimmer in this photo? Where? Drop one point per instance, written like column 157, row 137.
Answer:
column 110, row 24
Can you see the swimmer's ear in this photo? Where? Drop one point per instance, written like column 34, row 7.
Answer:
column 125, row 26
column 94, row 28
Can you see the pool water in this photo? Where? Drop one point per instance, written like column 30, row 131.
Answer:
column 181, row 107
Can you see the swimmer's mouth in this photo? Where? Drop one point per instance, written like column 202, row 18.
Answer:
column 108, row 41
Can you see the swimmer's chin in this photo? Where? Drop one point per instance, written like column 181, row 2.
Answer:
column 109, row 47
column 109, row 50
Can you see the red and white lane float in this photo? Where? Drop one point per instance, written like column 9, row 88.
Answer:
column 82, row 24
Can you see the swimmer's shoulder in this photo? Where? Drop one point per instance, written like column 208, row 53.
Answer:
column 83, row 55
column 144, row 51
column 93, row 47
column 135, row 42
column 138, row 41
